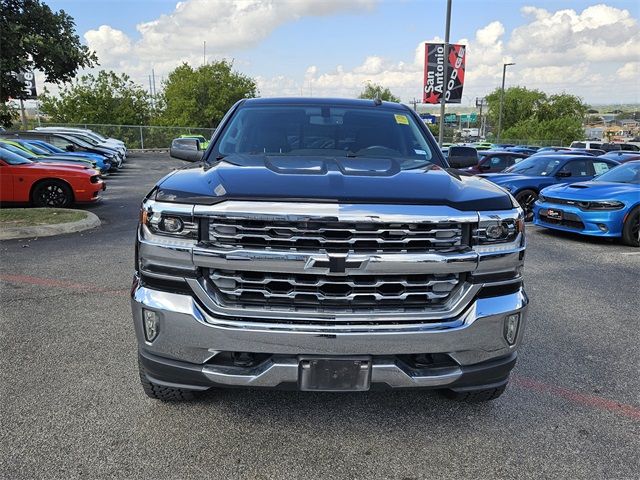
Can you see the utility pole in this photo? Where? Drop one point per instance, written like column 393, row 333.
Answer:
column 153, row 103
column 480, row 102
column 504, row 73
column 153, row 77
column 23, row 115
column 443, row 99
column 204, row 52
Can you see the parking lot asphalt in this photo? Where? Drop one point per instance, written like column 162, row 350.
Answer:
column 72, row 406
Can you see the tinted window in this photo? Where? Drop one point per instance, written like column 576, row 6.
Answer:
column 59, row 142
column 500, row 162
column 578, row 168
column 535, row 166
column 326, row 131
column 578, row 145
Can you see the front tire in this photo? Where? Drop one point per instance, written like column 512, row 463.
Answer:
column 631, row 228
column 526, row 199
column 160, row 392
column 476, row 396
column 52, row 194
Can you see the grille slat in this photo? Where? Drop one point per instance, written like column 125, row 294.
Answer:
column 319, row 236
column 321, row 292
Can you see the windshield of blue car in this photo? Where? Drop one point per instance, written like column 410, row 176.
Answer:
column 34, row 149
column 534, row 166
column 48, row 146
column 330, row 131
column 625, row 173
column 12, row 158
column 19, row 151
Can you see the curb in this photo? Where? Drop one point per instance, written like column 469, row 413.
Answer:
column 12, row 233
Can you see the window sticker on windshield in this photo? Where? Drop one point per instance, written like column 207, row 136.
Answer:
column 401, row 119
column 420, row 152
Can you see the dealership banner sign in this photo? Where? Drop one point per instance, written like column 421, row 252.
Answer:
column 28, row 80
column 434, row 82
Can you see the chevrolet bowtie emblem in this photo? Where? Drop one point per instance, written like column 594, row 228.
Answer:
column 335, row 263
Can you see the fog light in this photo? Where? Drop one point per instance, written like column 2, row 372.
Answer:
column 511, row 328
column 150, row 320
column 603, row 227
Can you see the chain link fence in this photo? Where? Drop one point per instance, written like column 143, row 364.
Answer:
column 139, row 136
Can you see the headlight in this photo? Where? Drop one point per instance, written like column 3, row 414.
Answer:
column 498, row 229
column 603, row 205
column 542, row 198
column 169, row 224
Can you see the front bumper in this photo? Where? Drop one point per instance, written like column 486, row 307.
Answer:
column 190, row 337
column 590, row 222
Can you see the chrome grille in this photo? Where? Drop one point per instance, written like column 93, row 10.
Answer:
column 334, row 237
column 330, row 292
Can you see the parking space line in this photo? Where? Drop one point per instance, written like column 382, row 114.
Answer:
column 600, row 403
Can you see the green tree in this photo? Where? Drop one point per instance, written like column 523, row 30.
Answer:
column 200, row 97
column 374, row 90
column 519, row 104
column 106, row 98
column 562, row 129
column 32, row 36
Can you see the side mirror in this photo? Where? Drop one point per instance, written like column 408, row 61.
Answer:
column 70, row 148
column 563, row 174
column 187, row 149
column 462, row 162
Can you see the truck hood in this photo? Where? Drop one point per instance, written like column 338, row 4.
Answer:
column 328, row 179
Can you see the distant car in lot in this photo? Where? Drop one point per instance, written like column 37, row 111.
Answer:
column 38, row 157
column 552, row 149
column 525, row 179
column 94, row 135
column 66, row 142
column 593, row 151
column 491, row 161
column 586, row 144
column 629, row 147
column 564, row 152
column 52, row 149
column 607, row 206
column 523, row 149
column 622, row 156
column 204, row 143
column 46, row 184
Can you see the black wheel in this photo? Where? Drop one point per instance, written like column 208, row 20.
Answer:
column 52, row 193
column 160, row 392
column 526, row 199
column 476, row 396
column 631, row 228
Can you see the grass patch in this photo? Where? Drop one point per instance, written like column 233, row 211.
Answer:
column 31, row 217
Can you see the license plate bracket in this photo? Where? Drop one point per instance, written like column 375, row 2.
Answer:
column 554, row 214
column 334, row 374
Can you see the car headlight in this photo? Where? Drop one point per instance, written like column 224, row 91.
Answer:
column 498, row 229
column 542, row 198
column 603, row 205
column 169, row 224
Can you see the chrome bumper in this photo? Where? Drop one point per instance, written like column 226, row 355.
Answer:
column 189, row 334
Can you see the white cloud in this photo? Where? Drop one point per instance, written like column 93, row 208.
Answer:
column 583, row 52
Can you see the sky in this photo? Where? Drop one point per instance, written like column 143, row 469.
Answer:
column 334, row 47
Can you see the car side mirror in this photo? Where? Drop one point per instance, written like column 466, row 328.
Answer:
column 563, row 174
column 70, row 148
column 187, row 149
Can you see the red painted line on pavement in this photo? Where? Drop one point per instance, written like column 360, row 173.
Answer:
column 600, row 403
column 52, row 282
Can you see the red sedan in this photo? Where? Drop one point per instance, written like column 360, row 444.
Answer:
column 46, row 184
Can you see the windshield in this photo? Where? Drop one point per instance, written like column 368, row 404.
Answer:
column 625, row 173
column 46, row 146
column 34, row 149
column 310, row 130
column 534, row 166
column 19, row 151
column 12, row 158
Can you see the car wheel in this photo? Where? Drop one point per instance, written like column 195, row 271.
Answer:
column 160, row 392
column 476, row 396
column 526, row 199
column 53, row 194
column 631, row 228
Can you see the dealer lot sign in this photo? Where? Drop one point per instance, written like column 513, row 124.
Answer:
column 434, row 64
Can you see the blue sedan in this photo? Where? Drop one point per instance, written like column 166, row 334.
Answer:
column 607, row 206
column 525, row 179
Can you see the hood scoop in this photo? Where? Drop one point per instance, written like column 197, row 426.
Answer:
column 578, row 186
column 348, row 166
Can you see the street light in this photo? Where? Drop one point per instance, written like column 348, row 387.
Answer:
column 504, row 72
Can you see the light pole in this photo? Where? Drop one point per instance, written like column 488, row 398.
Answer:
column 504, row 72
column 443, row 99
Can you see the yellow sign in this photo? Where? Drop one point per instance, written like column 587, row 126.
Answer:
column 401, row 119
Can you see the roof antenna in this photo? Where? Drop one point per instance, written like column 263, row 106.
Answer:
column 377, row 102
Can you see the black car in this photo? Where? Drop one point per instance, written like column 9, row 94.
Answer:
column 492, row 161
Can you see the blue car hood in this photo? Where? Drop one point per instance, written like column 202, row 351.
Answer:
column 592, row 190
column 326, row 179
column 507, row 178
